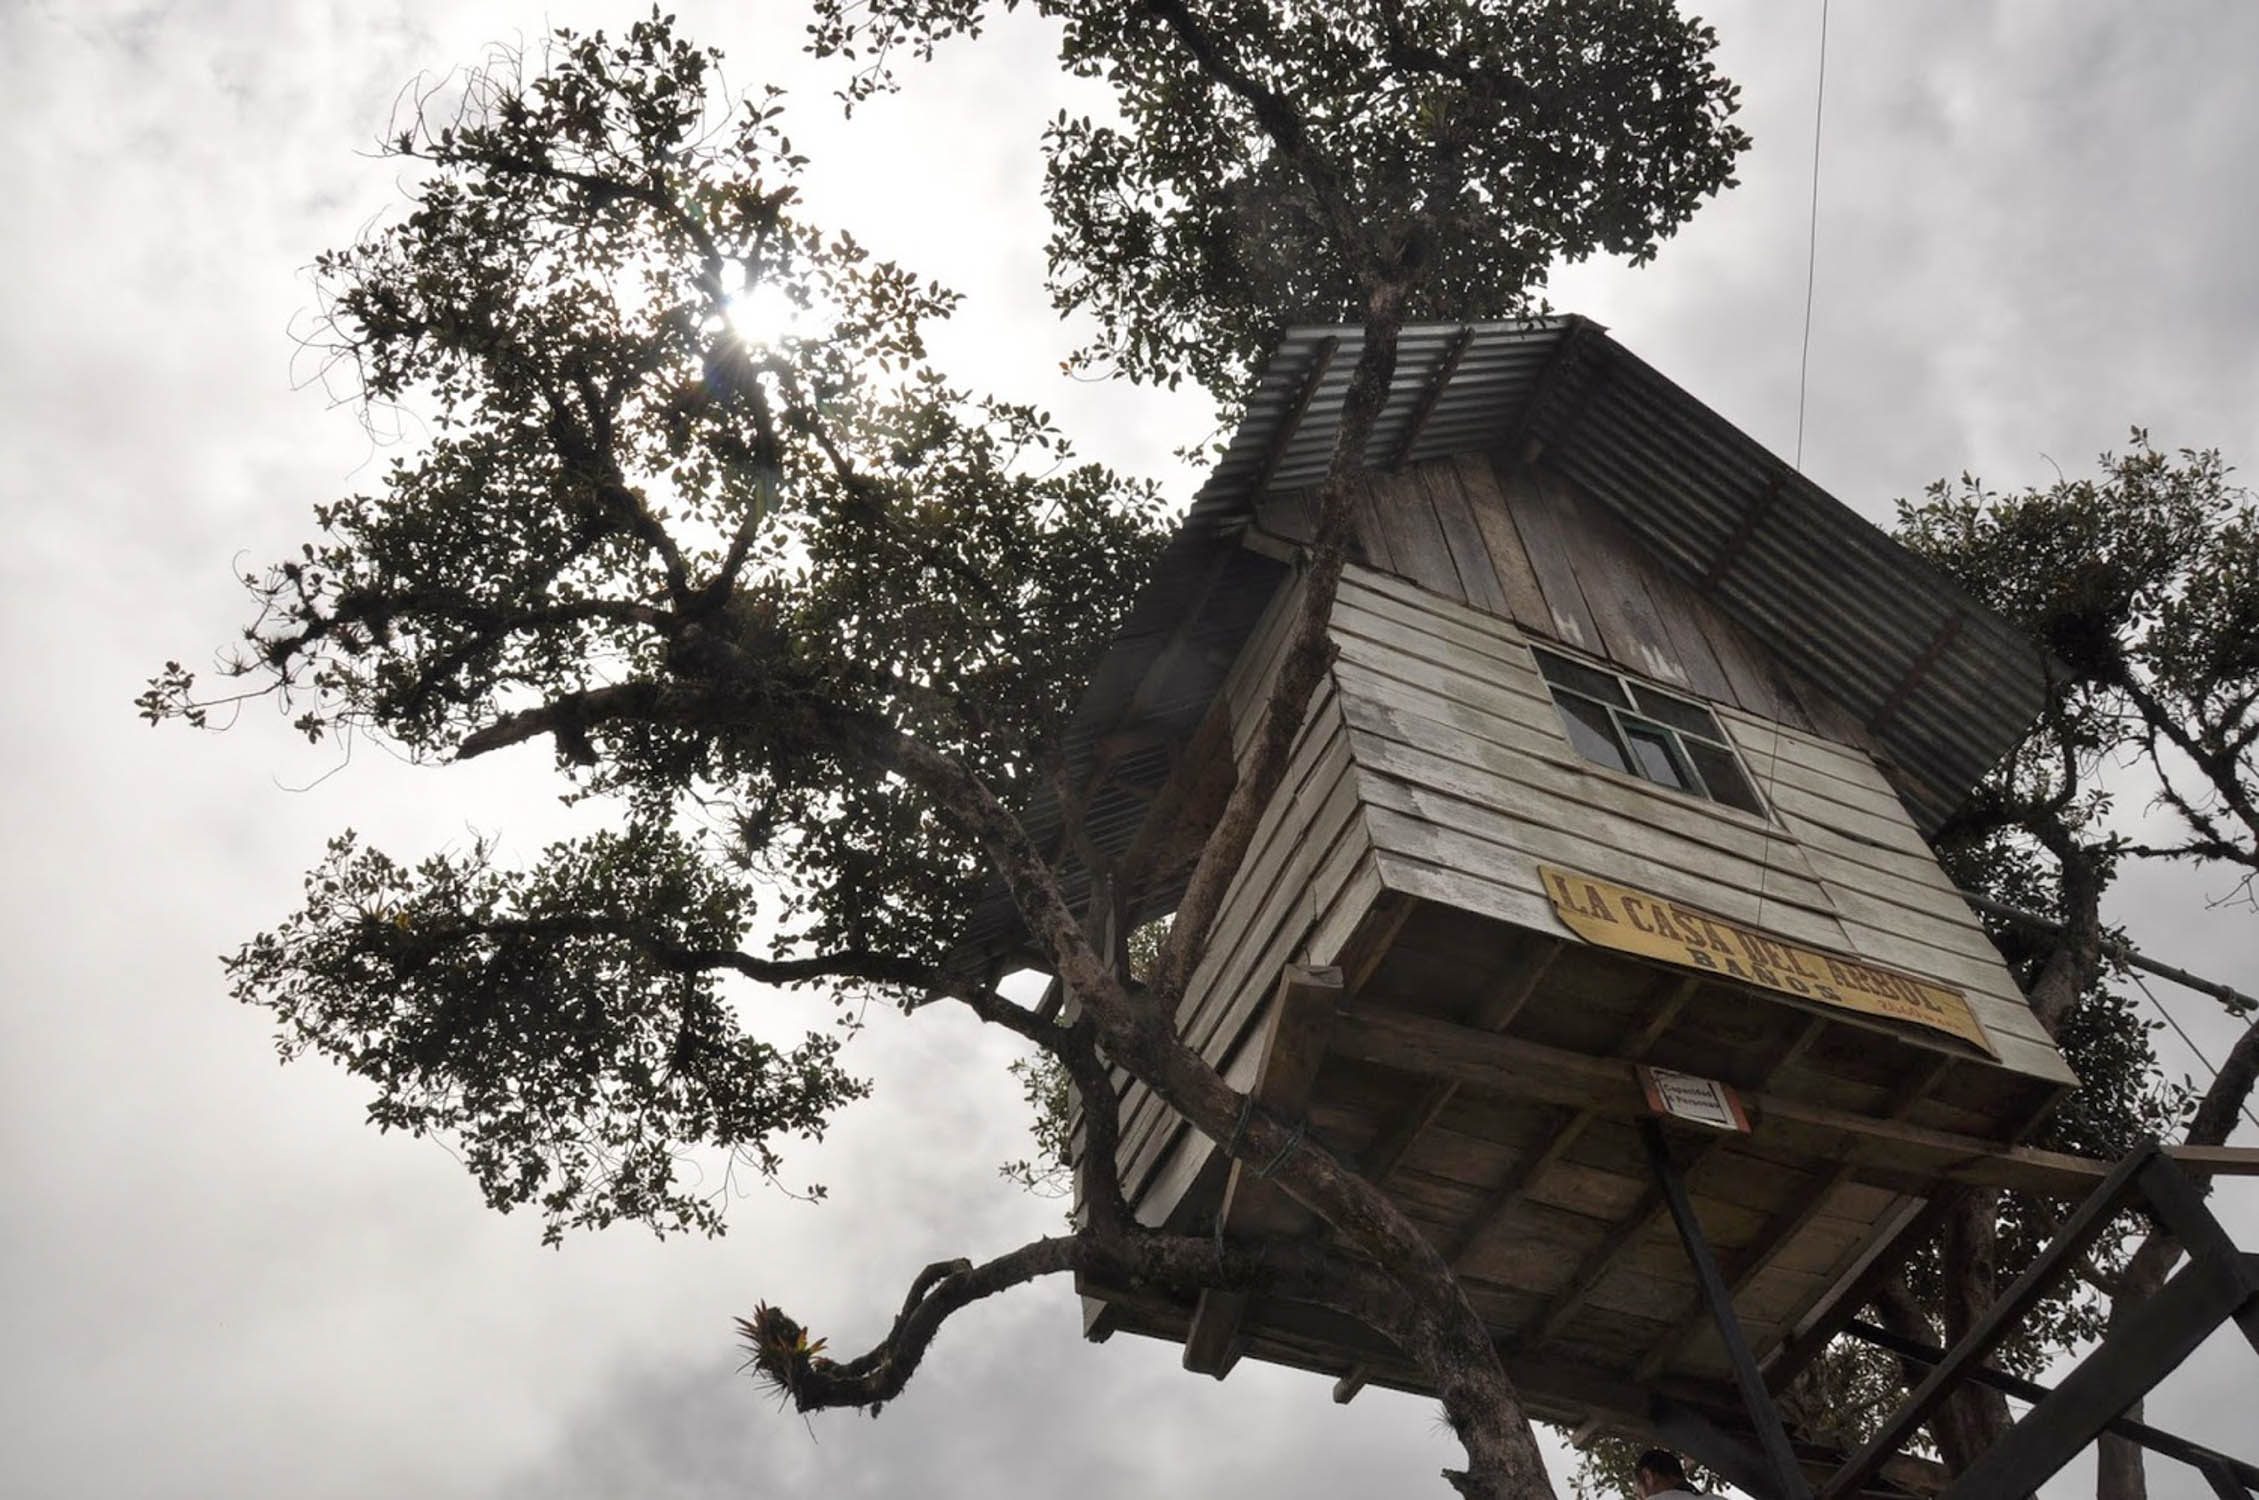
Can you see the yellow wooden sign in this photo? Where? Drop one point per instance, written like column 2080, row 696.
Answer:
column 1652, row 926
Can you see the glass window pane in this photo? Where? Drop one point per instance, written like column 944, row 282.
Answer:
column 1590, row 731
column 1723, row 774
column 1654, row 756
column 1677, row 712
column 1581, row 678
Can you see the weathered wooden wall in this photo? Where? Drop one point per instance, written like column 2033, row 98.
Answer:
column 1433, row 765
column 1470, row 783
column 1523, row 544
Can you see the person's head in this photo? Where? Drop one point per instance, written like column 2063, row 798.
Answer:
column 1659, row 1470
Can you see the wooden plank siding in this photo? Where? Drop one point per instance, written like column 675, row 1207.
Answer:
column 1433, row 767
column 1470, row 784
column 1524, row 544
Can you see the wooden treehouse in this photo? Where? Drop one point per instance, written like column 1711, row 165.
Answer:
column 1595, row 920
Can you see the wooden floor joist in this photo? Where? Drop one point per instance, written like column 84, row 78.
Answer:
column 1651, row 1215
column 1518, row 1185
column 1504, row 999
column 1782, row 1230
column 1887, row 1153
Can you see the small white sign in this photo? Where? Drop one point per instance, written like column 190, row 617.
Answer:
column 1699, row 1101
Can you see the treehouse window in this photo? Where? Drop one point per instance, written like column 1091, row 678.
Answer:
column 1630, row 727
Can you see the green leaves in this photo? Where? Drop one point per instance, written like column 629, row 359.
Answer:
column 563, row 1028
column 726, row 565
column 2139, row 584
column 2143, row 583
column 1275, row 163
column 715, row 566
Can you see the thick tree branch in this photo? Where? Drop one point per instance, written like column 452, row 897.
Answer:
column 363, row 609
column 1308, row 658
column 779, row 1350
column 1279, row 120
column 571, row 716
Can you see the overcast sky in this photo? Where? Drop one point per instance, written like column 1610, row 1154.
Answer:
column 2036, row 228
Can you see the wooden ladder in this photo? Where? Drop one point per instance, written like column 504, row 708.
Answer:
column 2218, row 1282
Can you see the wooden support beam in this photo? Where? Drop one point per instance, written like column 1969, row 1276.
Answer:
column 1717, row 1450
column 1215, row 1327
column 2086, row 1224
column 1371, row 952
column 1782, row 1229
column 2179, row 1206
column 1649, row 1216
column 1729, row 551
column 1294, row 1045
column 1502, row 1000
column 2149, row 1342
column 1429, row 396
column 1777, row 1235
column 1772, row 1437
column 1493, row 1210
column 1890, row 1153
column 2224, row 1483
column 2156, row 1440
column 1920, row 668
column 1346, row 1388
column 1721, row 1452
column 1914, row 1225
column 1558, row 397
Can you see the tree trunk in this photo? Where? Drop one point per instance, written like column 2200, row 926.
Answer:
column 1973, row 1418
column 1444, row 1335
column 2118, row 1470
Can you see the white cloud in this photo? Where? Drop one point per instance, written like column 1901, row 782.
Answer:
column 2034, row 231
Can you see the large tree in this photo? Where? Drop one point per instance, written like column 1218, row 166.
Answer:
column 812, row 619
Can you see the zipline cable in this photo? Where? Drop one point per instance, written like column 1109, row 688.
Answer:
column 2188, row 1041
column 1812, row 236
column 1803, row 365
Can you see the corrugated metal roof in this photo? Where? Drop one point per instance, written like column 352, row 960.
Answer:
column 1945, row 687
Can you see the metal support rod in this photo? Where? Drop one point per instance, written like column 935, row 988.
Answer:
column 1772, row 1438
column 2156, row 1440
column 2235, row 999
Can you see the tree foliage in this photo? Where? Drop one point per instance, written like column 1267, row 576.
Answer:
column 705, row 567
column 1454, row 152
column 562, row 1023
column 2142, row 586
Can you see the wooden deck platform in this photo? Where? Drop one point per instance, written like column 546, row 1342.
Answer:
column 1503, row 1121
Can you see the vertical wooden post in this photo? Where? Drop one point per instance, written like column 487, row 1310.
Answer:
column 1294, row 1045
column 1772, row 1438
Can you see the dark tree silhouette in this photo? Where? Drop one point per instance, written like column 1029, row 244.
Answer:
column 810, row 616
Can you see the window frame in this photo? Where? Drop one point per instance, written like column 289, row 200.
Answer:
column 1629, row 717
